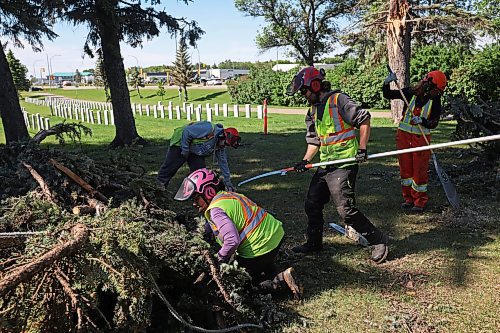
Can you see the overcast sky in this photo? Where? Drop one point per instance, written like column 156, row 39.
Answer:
column 229, row 34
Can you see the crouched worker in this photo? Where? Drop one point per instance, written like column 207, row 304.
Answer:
column 241, row 228
column 194, row 142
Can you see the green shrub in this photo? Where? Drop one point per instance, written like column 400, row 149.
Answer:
column 446, row 58
column 478, row 76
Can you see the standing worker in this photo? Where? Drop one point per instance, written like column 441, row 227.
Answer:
column 424, row 111
column 241, row 228
column 330, row 122
column 192, row 143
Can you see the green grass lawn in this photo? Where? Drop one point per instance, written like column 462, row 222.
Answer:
column 438, row 278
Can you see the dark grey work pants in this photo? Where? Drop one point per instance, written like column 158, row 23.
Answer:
column 337, row 184
column 174, row 160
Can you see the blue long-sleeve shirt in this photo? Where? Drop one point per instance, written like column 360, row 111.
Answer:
column 210, row 134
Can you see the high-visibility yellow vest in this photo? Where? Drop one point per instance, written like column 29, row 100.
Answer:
column 338, row 139
column 259, row 231
column 405, row 124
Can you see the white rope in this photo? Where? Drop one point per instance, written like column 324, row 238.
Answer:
column 20, row 233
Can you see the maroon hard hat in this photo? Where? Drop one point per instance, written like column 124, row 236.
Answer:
column 304, row 78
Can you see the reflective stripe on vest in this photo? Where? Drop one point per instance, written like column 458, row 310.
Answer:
column 405, row 124
column 253, row 218
column 338, row 137
column 343, row 132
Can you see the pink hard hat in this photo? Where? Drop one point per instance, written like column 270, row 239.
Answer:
column 201, row 181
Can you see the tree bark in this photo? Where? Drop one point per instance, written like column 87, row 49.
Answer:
column 109, row 32
column 10, row 109
column 398, row 49
column 24, row 273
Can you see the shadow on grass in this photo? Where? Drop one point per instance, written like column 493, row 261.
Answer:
column 208, row 96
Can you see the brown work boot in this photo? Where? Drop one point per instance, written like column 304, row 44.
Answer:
column 288, row 278
column 279, row 281
column 379, row 251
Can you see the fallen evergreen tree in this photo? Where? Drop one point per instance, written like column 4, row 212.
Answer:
column 91, row 247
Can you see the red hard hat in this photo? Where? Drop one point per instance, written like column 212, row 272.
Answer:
column 438, row 78
column 233, row 138
column 304, row 79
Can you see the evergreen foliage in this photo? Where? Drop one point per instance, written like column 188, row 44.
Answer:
column 136, row 80
column 138, row 253
column 100, row 79
column 19, row 72
column 182, row 72
column 161, row 89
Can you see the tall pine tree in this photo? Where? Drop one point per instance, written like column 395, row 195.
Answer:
column 18, row 71
column 183, row 70
column 111, row 22
column 100, row 79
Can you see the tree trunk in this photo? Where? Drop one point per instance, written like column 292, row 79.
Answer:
column 398, row 49
column 126, row 132
column 10, row 109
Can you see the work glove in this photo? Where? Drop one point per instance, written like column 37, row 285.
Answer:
column 390, row 78
column 361, row 155
column 415, row 120
column 301, row 166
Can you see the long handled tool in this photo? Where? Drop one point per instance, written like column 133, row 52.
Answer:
column 378, row 155
column 449, row 189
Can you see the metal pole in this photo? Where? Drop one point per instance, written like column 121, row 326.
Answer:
column 50, row 70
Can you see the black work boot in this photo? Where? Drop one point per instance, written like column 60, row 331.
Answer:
column 378, row 245
column 314, row 242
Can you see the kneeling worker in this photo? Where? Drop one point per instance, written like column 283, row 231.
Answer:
column 192, row 143
column 240, row 227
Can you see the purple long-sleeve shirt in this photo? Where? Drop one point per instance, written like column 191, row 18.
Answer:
column 228, row 233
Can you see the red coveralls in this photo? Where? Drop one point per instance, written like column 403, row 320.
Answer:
column 414, row 167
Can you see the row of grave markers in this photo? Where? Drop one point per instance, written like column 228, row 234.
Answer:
column 37, row 121
column 192, row 112
column 83, row 110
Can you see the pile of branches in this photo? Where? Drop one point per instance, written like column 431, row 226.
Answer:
column 476, row 120
column 84, row 247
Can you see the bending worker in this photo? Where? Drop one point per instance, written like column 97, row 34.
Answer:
column 331, row 121
column 192, row 143
column 242, row 228
column 424, row 111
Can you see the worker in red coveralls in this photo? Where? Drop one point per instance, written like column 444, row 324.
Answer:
column 424, row 111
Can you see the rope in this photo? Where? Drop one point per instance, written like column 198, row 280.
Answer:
column 196, row 328
column 20, row 233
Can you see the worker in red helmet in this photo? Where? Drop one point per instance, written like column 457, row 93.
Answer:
column 331, row 124
column 192, row 143
column 424, row 110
